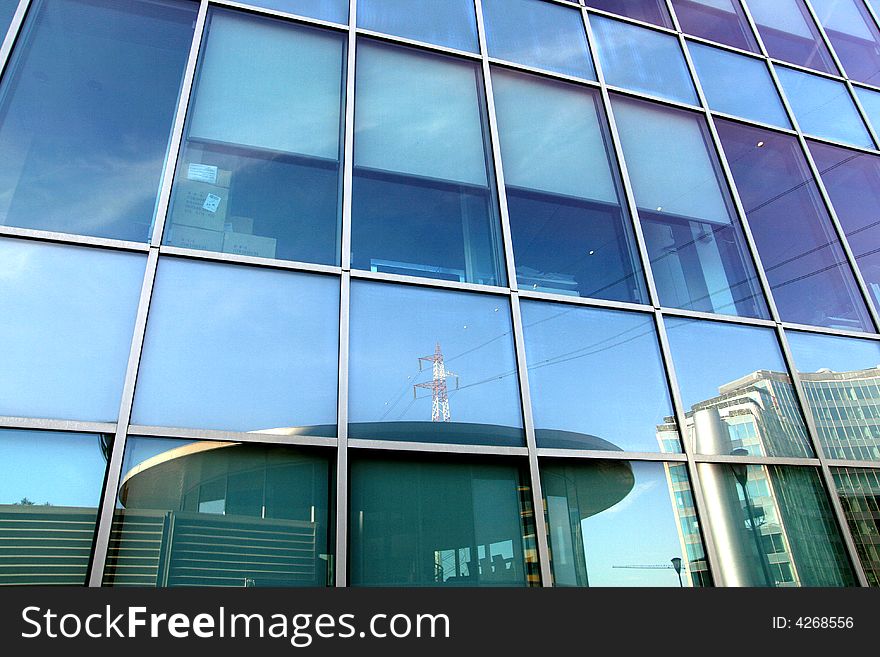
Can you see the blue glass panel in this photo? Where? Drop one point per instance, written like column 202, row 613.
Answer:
column 240, row 349
column 571, row 234
column 643, row 60
column 423, row 200
column 449, row 23
column 612, row 354
column 7, row 11
column 66, row 327
column 738, row 85
column 263, row 143
column 87, row 107
column 335, row 11
column 717, row 20
column 650, row 11
column 870, row 101
column 789, row 33
column 854, row 36
column 539, row 34
column 736, row 389
column 823, row 107
column 841, row 379
column 806, row 267
column 699, row 257
column 411, row 348
column 50, row 487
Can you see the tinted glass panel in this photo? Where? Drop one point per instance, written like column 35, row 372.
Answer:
column 595, row 511
column 805, row 264
column 613, row 355
column 852, row 180
column 738, row 85
column 789, row 34
column 718, row 20
column 50, row 485
column 736, row 390
column 87, row 104
column 643, row 60
column 220, row 514
column 327, row 10
column 538, row 33
column 440, row 523
column 432, row 366
column 571, row 234
column 854, row 36
column 423, row 199
column 66, row 327
column 449, row 23
column 7, row 11
column 859, row 492
column 870, row 101
column 650, row 11
column 772, row 526
column 698, row 254
column 823, row 107
column 259, row 174
column 241, row 349
column 841, row 378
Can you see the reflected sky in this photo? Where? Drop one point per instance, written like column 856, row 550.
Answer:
column 596, row 372
column 813, row 352
column 449, row 23
column 327, row 10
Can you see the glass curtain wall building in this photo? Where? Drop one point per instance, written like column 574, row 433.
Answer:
column 461, row 293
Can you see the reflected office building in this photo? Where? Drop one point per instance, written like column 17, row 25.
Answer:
column 439, row 293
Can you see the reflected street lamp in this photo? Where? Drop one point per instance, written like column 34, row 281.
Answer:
column 676, row 563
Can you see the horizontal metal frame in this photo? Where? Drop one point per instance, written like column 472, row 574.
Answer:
column 277, row 13
column 609, row 455
column 849, row 463
column 421, row 45
column 436, row 448
column 757, row 460
column 71, row 239
column 230, row 436
column 234, row 258
column 46, row 424
column 554, row 75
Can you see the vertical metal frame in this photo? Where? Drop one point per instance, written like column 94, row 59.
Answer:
column 342, row 466
column 12, row 33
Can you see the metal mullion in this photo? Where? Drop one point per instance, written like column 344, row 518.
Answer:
column 659, row 100
column 625, row 182
column 107, row 506
column 72, row 239
column 415, row 43
column 753, row 26
column 835, row 222
column 807, row 69
column 608, row 455
column 724, row 46
column 434, row 448
column 12, row 33
column 827, row 477
column 542, row 542
column 342, row 466
column 717, row 317
column 276, row 13
column 844, row 333
column 429, row 282
column 871, row 11
column 230, row 436
column 348, row 138
column 751, row 122
column 495, row 147
column 49, row 424
column 853, row 463
column 681, row 419
column 841, row 144
column 731, row 185
column 591, row 302
column 234, row 258
column 631, row 21
column 542, row 72
column 176, row 138
column 757, row 460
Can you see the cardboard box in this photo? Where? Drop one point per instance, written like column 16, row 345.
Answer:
column 249, row 245
column 243, row 225
column 200, row 205
column 195, row 238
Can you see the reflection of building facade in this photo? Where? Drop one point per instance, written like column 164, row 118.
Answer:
column 859, row 491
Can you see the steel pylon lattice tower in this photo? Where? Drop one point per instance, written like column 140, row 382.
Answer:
column 437, row 386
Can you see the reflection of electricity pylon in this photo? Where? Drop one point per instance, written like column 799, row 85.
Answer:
column 437, row 386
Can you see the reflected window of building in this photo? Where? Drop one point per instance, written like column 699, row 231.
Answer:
column 239, row 348
column 260, row 170
column 772, row 526
column 736, row 390
column 571, row 233
column 50, row 486
column 859, row 492
column 595, row 509
column 423, row 199
column 641, row 59
column 66, row 327
column 841, row 380
column 806, row 266
column 852, row 180
column 84, row 135
column 203, row 513
column 335, row 11
column 649, row 11
column 738, row 85
column 434, row 366
column 823, row 107
column 596, row 379
column 789, row 33
column 539, row 34
column 870, row 102
column 698, row 254
column 441, row 523
column 853, row 35
column 717, row 20
column 450, row 23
